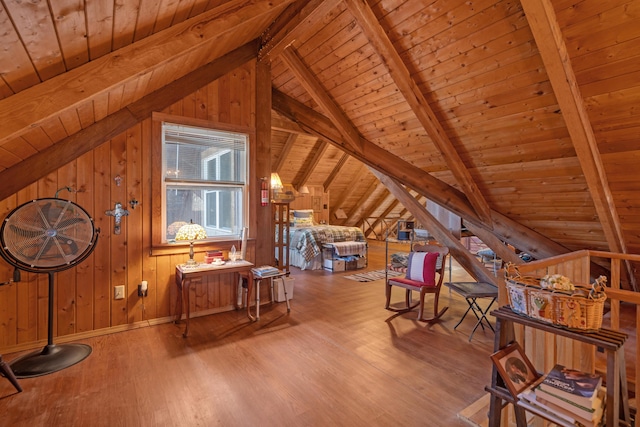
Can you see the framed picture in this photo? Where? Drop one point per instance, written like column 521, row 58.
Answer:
column 515, row 368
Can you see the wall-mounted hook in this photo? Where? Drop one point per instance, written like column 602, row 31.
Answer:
column 118, row 180
column 133, row 203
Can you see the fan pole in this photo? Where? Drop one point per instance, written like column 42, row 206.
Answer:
column 51, row 358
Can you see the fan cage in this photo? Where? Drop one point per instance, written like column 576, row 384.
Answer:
column 47, row 234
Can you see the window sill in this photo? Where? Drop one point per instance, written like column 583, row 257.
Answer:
column 183, row 247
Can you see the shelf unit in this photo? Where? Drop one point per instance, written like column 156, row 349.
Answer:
column 610, row 341
column 281, row 235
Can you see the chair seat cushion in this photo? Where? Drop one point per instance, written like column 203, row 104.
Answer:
column 414, row 283
column 422, row 267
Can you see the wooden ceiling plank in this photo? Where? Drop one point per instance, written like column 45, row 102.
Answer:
column 71, row 29
column 294, row 20
column 510, row 231
column 99, row 26
column 38, row 34
column 16, row 68
column 319, row 94
column 420, row 106
column 549, row 38
column 63, row 92
column 40, row 164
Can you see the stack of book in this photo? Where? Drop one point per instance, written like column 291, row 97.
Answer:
column 574, row 396
column 265, row 271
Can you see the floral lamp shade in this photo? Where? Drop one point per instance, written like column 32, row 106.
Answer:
column 191, row 232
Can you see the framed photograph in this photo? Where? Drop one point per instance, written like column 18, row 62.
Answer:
column 515, row 368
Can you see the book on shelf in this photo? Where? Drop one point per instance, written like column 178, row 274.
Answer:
column 265, row 271
column 571, row 384
column 588, row 413
column 532, row 399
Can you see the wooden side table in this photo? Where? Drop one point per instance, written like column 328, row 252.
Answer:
column 185, row 275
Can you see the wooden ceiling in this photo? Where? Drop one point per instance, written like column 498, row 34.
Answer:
column 520, row 116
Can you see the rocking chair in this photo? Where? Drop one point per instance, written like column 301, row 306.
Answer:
column 424, row 262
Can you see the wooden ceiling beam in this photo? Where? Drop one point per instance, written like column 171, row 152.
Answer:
column 394, row 203
column 352, row 216
column 310, row 164
column 420, row 106
column 64, row 93
column 73, row 146
column 506, row 229
column 311, row 84
column 288, row 145
column 336, row 170
column 347, row 192
column 546, row 31
column 293, row 21
column 468, row 261
column 548, row 36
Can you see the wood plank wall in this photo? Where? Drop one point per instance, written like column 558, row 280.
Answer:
column 83, row 298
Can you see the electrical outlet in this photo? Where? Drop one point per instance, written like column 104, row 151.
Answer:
column 118, row 292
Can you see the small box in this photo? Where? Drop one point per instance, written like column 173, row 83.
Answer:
column 280, row 284
column 361, row 262
column 350, row 263
column 336, row 264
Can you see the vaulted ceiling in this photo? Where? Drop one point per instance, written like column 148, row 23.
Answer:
column 520, row 116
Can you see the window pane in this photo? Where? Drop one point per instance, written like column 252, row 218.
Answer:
column 205, row 179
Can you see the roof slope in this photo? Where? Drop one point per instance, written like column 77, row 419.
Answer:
column 521, row 116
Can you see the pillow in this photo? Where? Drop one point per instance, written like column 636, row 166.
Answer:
column 303, row 222
column 422, row 267
column 305, row 213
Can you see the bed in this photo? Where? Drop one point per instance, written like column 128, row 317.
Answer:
column 306, row 239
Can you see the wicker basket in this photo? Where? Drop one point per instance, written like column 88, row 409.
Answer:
column 581, row 309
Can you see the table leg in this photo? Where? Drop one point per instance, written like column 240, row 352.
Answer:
column 179, row 283
column 483, row 316
column 286, row 297
column 185, row 291
column 258, row 298
column 250, row 285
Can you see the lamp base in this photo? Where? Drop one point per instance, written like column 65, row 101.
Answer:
column 191, row 263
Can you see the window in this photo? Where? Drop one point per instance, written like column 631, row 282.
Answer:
column 204, row 180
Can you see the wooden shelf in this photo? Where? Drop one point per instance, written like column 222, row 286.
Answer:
column 610, row 341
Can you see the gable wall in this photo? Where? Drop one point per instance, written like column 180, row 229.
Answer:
column 83, row 295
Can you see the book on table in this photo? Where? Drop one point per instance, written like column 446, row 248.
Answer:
column 571, row 384
column 265, row 271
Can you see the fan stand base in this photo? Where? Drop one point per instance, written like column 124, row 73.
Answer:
column 50, row 359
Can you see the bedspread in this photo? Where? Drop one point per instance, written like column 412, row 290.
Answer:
column 308, row 241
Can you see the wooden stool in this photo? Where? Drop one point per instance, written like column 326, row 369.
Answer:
column 5, row 369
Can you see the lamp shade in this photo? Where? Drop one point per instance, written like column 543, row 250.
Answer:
column 304, row 190
column 191, row 232
column 276, row 182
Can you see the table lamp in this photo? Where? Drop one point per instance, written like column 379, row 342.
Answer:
column 191, row 232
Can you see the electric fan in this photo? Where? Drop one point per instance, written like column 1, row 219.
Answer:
column 47, row 236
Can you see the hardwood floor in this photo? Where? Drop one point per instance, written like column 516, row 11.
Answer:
column 338, row 359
